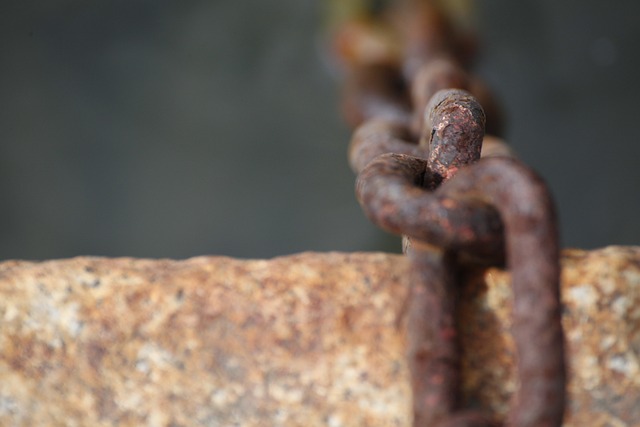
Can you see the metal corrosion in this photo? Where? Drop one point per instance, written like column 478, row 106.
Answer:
column 393, row 196
column 420, row 175
column 466, row 214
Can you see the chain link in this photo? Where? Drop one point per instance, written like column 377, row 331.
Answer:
column 417, row 148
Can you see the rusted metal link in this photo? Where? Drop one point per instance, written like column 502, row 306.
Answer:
column 432, row 77
column 388, row 125
column 375, row 91
column 453, row 130
column 432, row 345
column 433, row 350
column 427, row 35
column 388, row 191
column 383, row 135
column 418, row 176
column 532, row 247
column 380, row 136
column 394, row 194
column 445, row 73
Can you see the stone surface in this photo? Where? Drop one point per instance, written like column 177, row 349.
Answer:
column 305, row 340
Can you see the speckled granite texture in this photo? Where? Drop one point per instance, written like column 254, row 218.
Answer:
column 306, row 340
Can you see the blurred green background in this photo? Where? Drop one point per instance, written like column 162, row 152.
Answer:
column 173, row 129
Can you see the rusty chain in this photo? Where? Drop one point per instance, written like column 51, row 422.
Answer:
column 417, row 148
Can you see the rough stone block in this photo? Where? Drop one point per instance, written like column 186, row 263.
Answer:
column 305, row 340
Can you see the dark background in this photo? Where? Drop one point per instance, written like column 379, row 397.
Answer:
column 174, row 129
